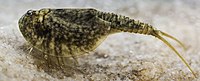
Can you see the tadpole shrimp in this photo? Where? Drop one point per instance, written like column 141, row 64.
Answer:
column 71, row 32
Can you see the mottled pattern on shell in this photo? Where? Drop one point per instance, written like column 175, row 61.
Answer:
column 64, row 32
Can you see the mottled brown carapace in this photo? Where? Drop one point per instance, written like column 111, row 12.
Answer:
column 72, row 32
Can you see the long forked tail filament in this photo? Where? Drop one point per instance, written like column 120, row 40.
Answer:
column 167, row 35
column 157, row 34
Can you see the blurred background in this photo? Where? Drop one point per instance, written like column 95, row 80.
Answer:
column 122, row 56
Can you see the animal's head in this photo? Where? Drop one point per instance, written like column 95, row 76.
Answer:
column 31, row 24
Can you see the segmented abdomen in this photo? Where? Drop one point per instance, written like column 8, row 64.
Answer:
column 125, row 24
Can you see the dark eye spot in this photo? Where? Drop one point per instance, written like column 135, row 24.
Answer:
column 30, row 12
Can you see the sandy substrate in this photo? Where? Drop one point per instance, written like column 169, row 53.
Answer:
column 122, row 56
